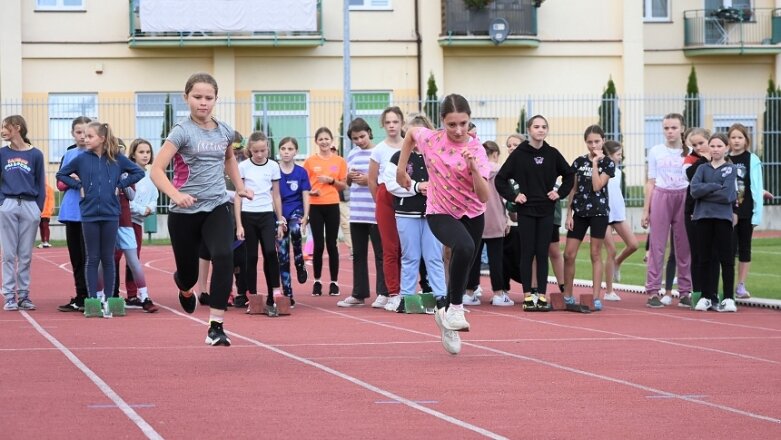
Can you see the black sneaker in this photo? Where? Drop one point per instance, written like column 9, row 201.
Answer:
column 301, row 274
column 292, row 302
column 149, row 306
column 685, row 301
column 317, row 288
column 240, row 301
column 333, row 290
column 654, row 302
column 133, row 303
column 76, row 304
column 203, row 299
column 216, row 335
column 188, row 302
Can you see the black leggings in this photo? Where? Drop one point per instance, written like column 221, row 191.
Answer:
column 715, row 253
column 535, row 240
column 261, row 227
column 691, row 234
column 215, row 230
column 78, row 256
column 463, row 237
column 495, row 260
column 741, row 239
column 325, row 217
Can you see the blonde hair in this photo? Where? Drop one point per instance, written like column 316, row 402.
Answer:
column 110, row 143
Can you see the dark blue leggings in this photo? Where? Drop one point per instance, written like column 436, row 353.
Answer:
column 100, row 239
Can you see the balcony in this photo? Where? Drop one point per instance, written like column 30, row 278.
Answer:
column 227, row 26
column 731, row 31
column 462, row 26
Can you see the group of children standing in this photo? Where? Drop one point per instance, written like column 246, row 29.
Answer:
column 426, row 199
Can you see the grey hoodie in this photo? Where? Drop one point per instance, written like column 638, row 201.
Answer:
column 715, row 191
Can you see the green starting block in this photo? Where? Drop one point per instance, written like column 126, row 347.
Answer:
column 93, row 308
column 419, row 303
column 116, row 306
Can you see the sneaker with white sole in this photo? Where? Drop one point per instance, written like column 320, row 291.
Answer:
column 350, row 301
column 451, row 340
column 216, row 335
column 666, row 300
column 703, row 305
column 741, row 291
column 612, row 296
column 393, row 303
column 685, row 301
column 478, row 292
column 26, row 304
column 380, row 302
column 470, row 300
column 727, row 305
column 502, row 300
column 10, row 305
column 454, row 319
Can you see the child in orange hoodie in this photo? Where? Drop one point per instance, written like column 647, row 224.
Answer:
column 46, row 215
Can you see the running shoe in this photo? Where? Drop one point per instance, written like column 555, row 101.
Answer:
column 216, row 335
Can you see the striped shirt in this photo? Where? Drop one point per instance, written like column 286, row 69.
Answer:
column 362, row 206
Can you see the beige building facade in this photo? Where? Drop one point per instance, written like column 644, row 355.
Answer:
column 61, row 58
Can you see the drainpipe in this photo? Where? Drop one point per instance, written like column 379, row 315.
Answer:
column 419, row 43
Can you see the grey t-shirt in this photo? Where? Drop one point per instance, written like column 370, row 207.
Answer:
column 199, row 164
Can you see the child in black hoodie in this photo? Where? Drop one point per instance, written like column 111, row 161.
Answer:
column 535, row 166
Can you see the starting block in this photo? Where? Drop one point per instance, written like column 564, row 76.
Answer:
column 587, row 300
column 256, row 304
column 419, row 304
column 116, row 306
column 93, row 308
column 557, row 301
column 283, row 304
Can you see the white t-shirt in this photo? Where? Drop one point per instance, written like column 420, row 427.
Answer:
column 381, row 154
column 666, row 166
column 258, row 178
column 616, row 198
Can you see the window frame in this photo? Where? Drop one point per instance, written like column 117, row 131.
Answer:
column 371, row 116
column 60, row 6
column 368, row 5
column 65, row 116
column 721, row 124
column 182, row 113
column 303, row 143
column 648, row 11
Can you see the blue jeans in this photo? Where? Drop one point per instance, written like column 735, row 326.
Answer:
column 417, row 240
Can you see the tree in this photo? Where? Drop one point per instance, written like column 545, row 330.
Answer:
column 609, row 113
column 271, row 141
column 431, row 107
column 520, row 127
column 691, row 112
column 771, row 138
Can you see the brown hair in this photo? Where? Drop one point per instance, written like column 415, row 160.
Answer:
column 290, row 139
column 134, row 146
column 18, row 120
column 491, row 147
column 743, row 130
column 200, row 77
column 530, row 121
column 80, row 120
column 679, row 117
column 359, row 124
column 256, row 136
column 594, row 129
column 454, row 103
column 110, row 143
column 419, row 120
column 391, row 109
column 610, row 147
column 322, row 130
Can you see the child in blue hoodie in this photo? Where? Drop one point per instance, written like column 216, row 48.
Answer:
column 714, row 189
column 99, row 170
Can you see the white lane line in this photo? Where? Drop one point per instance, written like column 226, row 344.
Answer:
column 131, row 414
column 395, row 397
column 578, row 371
column 707, row 321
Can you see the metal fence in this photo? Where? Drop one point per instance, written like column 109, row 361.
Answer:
column 496, row 117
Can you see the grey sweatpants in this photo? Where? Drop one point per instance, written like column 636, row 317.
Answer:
column 18, row 225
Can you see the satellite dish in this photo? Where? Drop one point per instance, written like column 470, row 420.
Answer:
column 498, row 30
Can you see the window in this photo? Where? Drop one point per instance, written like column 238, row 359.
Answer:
column 722, row 123
column 369, row 5
column 150, row 115
column 60, row 5
column 63, row 108
column 285, row 114
column 656, row 10
column 653, row 134
column 369, row 106
column 486, row 128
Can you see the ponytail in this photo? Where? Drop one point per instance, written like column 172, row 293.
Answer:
column 110, row 143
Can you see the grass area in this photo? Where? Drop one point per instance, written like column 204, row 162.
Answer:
column 763, row 279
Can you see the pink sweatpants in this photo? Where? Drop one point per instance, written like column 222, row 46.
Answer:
column 667, row 214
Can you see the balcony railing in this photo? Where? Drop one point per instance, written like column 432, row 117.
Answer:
column 139, row 38
column 458, row 20
column 730, row 28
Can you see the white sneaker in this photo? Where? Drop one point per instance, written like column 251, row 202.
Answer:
column 470, row 300
column 393, row 303
column 350, row 301
column 380, row 302
column 666, row 300
column 451, row 340
column 612, row 296
column 703, row 305
column 10, row 305
column 478, row 293
column 502, row 300
column 106, row 311
column 454, row 319
column 727, row 305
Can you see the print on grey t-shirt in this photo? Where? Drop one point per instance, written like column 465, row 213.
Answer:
column 199, row 164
